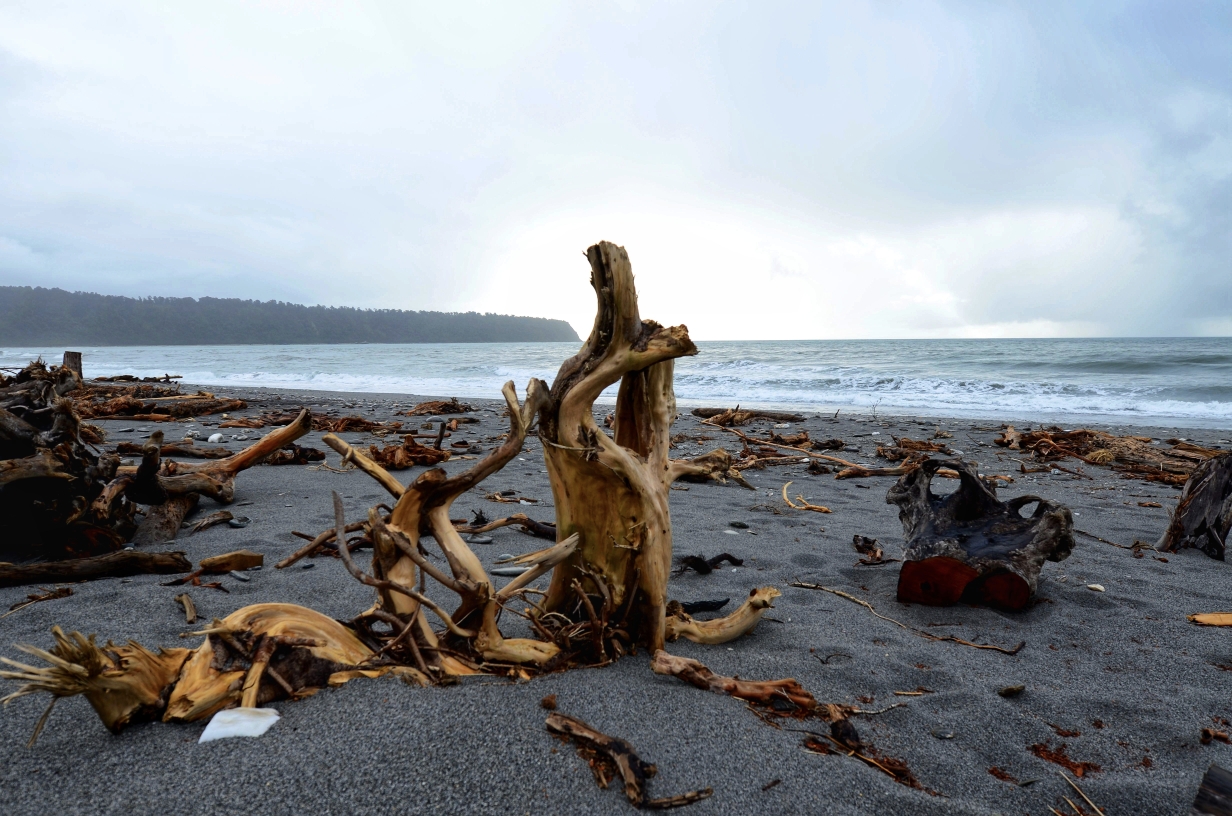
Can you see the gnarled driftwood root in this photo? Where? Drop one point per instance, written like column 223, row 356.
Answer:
column 971, row 546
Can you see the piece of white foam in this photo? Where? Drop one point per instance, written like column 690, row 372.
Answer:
column 239, row 722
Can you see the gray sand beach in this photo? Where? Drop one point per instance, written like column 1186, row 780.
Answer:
column 1119, row 678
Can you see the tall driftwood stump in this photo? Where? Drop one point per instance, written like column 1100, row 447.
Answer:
column 970, row 546
column 613, row 490
column 1203, row 516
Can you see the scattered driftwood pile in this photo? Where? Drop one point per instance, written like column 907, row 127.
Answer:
column 147, row 403
column 71, row 509
column 970, row 545
column 609, row 563
column 437, row 407
column 1133, row 456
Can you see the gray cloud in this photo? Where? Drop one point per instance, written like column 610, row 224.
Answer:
column 891, row 169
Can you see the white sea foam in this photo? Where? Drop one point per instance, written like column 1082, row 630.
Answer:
column 1156, row 381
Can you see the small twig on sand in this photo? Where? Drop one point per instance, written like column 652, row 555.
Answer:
column 803, row 505
column 920, row 632
column 1081, row 792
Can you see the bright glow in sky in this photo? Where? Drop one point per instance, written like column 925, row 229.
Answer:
column 776, row 170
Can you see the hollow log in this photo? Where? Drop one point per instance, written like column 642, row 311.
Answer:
column 1203, row 516
column 613, row 492
column 969, row 545
column 119, row 564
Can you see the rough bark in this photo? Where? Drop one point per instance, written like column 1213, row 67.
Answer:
column 971, row 546
column 162, row 521
column 613, row 492
column 112, row 565
column 1204, row 515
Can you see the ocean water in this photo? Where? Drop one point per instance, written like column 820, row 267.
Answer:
column 1184, row 382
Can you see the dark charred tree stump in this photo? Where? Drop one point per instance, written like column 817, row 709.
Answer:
column 970, row 546
column 1204, row 514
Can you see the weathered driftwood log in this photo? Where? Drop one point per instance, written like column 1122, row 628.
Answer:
column 613, row 492
column 186, row 449
column 971, row 546
column 162, row 521
column 1203, row 516
column 112, row 565
column 735, row 416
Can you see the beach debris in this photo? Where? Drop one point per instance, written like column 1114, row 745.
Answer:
column 1211, row 618
column 1135, row 457
column 239, row 722
column 704, row 566
column 611, row 757
column 1203, row 517
column 1214, row 796
column 715, row 466
column 773, row 700
column 721, row 630
column 803, row 504
column 871, row 550
column 146, row 404
column 37, row 597
column 1059, row 756
column 292, row 454
column 407, row 455
column 185, row 449
column 539, row 529
column 510, row 497
column 609, row 563
column 1011, row 691
column 908, row 627
column 971, row 546
column 190, row 609
column 1208, row 735
column 449, row 406
column 695, row 607
column 227, row 563
column 256, row 655
column 905, row 449
column 1095, row 587
column 212, row 520
column 548, row 703
column 119, row 564
column 735, row 416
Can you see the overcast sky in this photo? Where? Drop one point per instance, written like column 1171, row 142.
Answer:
column 775, row 170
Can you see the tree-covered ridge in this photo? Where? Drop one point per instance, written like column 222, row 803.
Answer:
column 48, row 317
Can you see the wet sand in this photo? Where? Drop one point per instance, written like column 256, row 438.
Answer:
column 1120, row 678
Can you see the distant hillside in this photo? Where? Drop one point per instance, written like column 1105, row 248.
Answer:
column 36, row 316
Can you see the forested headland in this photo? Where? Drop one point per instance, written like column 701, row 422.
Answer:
column 49, row 317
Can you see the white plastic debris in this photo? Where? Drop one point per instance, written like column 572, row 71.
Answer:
column 731, row 532
column 239, row 722
column 1095, row 587
column 215, row 438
